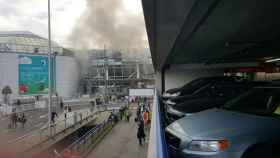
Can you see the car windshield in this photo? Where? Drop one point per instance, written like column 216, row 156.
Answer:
column 259, row 101
column 192, row 86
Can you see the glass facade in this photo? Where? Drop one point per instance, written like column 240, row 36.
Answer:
column 25, row 42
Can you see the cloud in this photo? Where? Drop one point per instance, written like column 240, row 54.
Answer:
column 42, row 15
column 31, row 15
column 25, row 60
column 8, row 10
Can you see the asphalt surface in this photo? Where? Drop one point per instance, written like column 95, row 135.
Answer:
column 121, row 142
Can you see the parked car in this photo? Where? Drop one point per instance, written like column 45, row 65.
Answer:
column 212, row 95
column 195, row 85
column 245, row 127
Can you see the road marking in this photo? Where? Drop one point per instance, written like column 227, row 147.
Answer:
column 43, row 116
column 38, row 125
column 6, row 131
column 21, row 137
column 27, row 134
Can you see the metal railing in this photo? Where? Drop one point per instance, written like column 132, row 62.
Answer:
column 84, row 144
column 157, row 145
column 46, row 133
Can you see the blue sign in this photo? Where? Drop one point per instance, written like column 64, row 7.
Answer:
column 33, row 75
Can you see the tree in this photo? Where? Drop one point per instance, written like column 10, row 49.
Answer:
column 6, row 91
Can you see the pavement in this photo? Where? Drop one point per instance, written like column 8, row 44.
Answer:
column 121, row 142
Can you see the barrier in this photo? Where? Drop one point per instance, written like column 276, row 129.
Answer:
column 157, row 145
column 84, row 144
column 41, row 135
column 34, row 140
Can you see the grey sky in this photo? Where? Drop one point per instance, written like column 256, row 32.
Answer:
column 31, row 15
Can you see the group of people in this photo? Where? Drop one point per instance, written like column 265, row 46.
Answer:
column 15, row 118
column 143, row 120
column 125, row 113
column 54, row 114
column 113, row 117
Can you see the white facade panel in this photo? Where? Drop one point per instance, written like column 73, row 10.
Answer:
column 67, row 74
column 9, row 72
column 141, row 92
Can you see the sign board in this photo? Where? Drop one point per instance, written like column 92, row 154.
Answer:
column 143, row 92
column 33, row 75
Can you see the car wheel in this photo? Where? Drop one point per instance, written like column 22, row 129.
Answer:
column 262, row 152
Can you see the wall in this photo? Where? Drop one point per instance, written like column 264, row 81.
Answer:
column 9, row 72
column 176, row 77
column 67, row 74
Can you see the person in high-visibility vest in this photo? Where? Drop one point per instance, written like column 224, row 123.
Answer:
column 146, row 117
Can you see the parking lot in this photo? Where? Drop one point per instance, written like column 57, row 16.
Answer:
column 217, row 76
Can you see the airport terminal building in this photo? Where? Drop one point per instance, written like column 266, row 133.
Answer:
column 18, row 46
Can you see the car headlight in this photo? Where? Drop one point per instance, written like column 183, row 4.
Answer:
column 208, row 145
column 174, row 111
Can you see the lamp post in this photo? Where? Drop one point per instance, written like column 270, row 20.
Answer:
column 50, row 67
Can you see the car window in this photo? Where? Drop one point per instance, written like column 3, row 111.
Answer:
column 194, row 83
column 227, row 91
column 260, row 101
column 223, row 91
column 193, row 86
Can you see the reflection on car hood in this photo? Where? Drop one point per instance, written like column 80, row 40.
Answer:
column 197, row 105
column 184, row 98
column 174, row 90
column 218, row 123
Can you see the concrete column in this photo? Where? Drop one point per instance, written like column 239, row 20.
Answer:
column 137, row 71
column 107, row 73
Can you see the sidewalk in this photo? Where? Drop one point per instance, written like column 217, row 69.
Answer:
column 121, row 142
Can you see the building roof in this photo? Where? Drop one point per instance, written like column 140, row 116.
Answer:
column 19, row 34
column 25, row 42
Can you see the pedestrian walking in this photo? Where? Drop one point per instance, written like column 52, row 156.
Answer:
column 146, row 117
column 128, row 115
column 23, row 120
column 121, row 113
column 53, row 116
column 141, row 133
column 61, row 104
column 69, row 108
column 65, row 114
column 13, row 118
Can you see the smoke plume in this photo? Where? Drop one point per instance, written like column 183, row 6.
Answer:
column 107, row 23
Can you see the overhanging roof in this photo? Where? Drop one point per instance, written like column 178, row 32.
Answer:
column 212, row 31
